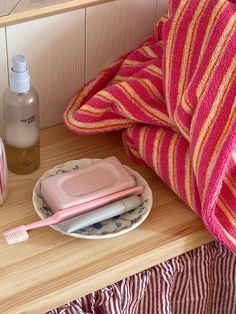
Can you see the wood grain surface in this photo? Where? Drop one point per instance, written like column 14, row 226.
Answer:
column 30, row 10
column 6, row 6
column 51, row 269
column 113, row 29
column 27, row 5
column 162, row 6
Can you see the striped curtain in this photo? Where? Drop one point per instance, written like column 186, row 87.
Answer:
column 202, row 281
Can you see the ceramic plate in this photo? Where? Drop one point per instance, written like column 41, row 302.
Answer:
column 108, row 228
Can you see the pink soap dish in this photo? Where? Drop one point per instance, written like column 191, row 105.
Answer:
column 108, row 228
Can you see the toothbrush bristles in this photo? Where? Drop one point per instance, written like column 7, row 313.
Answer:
column 16, row 236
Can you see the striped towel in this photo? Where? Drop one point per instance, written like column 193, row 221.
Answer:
column 174, row 98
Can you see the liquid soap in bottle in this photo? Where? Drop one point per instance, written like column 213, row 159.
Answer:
column 21, row 120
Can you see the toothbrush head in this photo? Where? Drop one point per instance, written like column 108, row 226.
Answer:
column 16, row 235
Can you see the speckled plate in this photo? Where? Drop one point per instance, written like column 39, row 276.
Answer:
column 108, row 228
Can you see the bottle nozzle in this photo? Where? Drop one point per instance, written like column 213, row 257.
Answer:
column 19, row 76
column 19, row 64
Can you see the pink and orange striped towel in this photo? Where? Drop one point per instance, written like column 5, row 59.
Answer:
column 174, row 98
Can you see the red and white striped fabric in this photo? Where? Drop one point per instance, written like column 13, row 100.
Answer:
column 202, row 281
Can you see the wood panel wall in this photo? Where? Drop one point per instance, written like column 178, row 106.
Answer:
column 3, row 72
column 161, row 7
column 114, row 29
column 54, row 48
column 66, row 50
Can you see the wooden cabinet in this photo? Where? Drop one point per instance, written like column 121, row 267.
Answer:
column 63, row 51
column 51, row 269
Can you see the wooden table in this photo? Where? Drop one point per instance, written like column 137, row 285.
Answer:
column 51, row 269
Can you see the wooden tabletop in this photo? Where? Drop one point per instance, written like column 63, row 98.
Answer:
column 51, row 269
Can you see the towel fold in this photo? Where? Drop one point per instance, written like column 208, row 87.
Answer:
column 174, row 98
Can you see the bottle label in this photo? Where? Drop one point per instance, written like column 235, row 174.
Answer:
column 28, row 120
column 22, row 133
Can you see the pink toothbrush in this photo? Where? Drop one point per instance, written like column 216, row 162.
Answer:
column 20, row 234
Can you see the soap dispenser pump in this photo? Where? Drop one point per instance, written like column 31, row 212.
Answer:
column 21, row 120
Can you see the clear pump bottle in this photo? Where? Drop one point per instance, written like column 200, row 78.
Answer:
column 21, row 120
